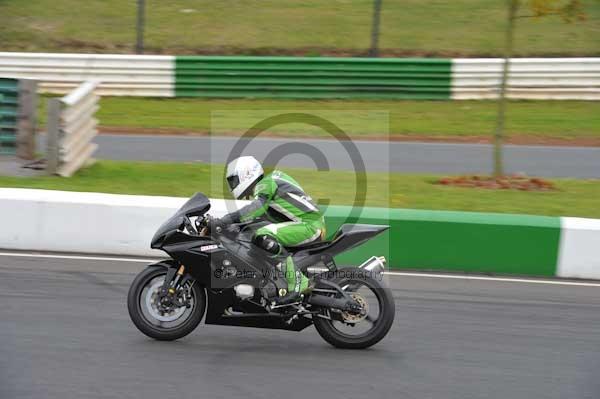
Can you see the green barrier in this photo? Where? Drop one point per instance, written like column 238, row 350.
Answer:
column 457, row 241
column 312, row 77
column 9, row 103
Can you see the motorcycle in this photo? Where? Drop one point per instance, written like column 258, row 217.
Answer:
column 219, row 273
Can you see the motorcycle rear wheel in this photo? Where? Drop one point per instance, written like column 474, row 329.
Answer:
column 327, row 329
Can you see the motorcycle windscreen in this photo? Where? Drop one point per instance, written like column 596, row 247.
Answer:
column 195, row 206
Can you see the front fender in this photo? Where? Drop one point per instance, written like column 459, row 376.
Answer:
column 166, row 263
column 171, row 265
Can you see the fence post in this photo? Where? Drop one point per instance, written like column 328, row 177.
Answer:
column 374, row 50
column 141, row 21
column 26, row 119
column 53, row 135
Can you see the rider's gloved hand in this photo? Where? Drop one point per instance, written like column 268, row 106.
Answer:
column 215, row 225
column 223, row 224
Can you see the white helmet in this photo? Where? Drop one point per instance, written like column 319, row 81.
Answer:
column 242, row 173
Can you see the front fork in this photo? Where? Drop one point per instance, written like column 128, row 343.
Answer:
column 175, row 280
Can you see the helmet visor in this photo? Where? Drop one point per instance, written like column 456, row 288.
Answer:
column 233, row 182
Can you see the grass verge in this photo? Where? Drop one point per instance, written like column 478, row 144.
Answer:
column 438, row 119
column 572, row 197
column 308, row 27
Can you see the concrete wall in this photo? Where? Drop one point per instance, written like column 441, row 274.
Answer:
column 44, row 220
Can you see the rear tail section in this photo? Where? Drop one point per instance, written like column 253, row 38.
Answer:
column 347, row 237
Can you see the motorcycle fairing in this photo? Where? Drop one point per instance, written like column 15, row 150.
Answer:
column 205, row 256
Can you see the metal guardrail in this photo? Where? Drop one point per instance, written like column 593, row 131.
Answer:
column 9, row 111
column 120, row 75
column 17, row 117
column 312, row 77
column 308, row 77
column 71, row 128
column 529, row 78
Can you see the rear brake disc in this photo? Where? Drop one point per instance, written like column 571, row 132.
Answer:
column 353, row 318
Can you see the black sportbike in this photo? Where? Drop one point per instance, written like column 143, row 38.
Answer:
column 220, row 272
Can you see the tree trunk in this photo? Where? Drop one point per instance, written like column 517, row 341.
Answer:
column 513, row 6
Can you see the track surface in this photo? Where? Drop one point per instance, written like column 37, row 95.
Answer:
column 378, row 156
column 65, row 333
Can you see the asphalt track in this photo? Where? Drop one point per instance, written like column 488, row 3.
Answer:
column 65, row 333
column 544, row 161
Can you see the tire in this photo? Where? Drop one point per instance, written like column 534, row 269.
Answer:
column 382, row 326
column 162, row 334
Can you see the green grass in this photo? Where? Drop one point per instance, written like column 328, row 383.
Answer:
column 573, row 197
column 308, row 27
column 564, row 119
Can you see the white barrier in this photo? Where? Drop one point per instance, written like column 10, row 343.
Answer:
column 130, row 75
column 529, row 78
column 95, row 223
column 71, row 129
column 45, row 220
column 579, row 252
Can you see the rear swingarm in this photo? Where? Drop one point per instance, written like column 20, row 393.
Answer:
column 322, row 299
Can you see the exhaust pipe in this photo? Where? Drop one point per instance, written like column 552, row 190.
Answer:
column 375, row 264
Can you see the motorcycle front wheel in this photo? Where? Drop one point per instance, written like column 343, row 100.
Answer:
column 358, row 331
column 156, row 321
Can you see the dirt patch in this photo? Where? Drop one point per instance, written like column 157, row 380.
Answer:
column 474, row 139
column 512, row 182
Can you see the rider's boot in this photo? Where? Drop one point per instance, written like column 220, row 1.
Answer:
column 297, row 283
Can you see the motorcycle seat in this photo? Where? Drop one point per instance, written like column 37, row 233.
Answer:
column 310, row 245
column 346, row 237
column 319, row 243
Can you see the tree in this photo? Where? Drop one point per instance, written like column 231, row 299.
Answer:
column 569, row 11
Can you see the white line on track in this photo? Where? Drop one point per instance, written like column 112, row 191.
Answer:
column 398, row 274
column 77, row 257
column 501, row 279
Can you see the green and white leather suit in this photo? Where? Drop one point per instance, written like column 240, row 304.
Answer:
column 295, row 217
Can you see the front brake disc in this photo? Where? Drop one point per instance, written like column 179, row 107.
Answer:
column 156, row 309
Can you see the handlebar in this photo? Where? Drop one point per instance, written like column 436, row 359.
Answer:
column 187, row 224
column 203, row 222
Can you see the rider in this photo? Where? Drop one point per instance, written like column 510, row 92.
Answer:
column 294, row 216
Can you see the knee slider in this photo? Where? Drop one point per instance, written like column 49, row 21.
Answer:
column 268, row 243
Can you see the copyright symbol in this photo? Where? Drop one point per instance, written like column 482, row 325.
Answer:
column 306, row 149
column 218, row 273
